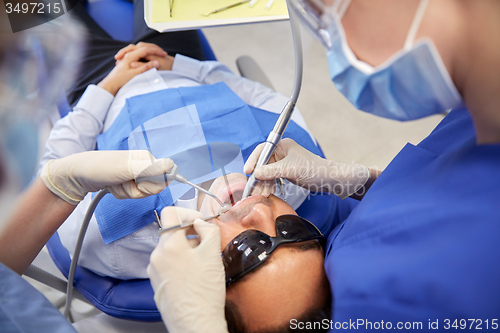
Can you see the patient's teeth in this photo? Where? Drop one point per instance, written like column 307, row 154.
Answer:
column 224, row 209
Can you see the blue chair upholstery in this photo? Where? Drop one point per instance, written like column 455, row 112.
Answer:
column 116, row 17
column 125, row 299
column 120, row 26
column 207, row 50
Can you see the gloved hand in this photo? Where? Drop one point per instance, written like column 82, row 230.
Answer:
column 189, row 282
column 72, row 177
column 300, row 166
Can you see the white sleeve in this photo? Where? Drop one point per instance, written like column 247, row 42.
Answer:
column 210, row 72
column 78, row 131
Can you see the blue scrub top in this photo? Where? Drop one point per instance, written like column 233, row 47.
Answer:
column 24, row 309
column 424, row 243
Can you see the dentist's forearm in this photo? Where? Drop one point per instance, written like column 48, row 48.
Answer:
column 38, row 215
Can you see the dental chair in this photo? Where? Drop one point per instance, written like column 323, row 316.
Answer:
column 133, row 299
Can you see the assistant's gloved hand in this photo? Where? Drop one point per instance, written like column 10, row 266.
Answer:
column 72, row 177
column 189, row 281
column 300, row 166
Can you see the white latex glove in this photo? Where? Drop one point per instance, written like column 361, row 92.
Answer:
column 301, row 167
column 72, row 177
column 189, row 282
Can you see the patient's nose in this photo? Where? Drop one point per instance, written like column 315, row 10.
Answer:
column 261, row 218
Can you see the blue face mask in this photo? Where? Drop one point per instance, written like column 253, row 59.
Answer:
column 412, row 84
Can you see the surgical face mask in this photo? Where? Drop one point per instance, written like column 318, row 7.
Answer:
column 412, row 84
column 35, row 66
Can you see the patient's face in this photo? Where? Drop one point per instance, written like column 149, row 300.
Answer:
column 291, row 282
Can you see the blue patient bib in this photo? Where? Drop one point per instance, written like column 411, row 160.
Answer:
column 174, row 122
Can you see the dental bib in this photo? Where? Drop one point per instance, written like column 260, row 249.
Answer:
column 179, row 123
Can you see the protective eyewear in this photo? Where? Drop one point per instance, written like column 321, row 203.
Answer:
column 252, row 247
column 318, row 17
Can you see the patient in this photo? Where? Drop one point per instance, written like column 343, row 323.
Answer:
column 292, row 282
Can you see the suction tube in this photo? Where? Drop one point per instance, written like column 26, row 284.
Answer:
column 286, row 114
column 78, row 249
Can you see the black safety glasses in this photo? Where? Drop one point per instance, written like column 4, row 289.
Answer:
column 252, row 247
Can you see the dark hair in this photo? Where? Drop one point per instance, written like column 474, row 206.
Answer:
column 235, row 322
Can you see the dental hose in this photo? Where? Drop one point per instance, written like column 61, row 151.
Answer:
column 286, row 114
column 78, row 248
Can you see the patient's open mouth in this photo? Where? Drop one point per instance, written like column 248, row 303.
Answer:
column 234, row 198
column 229, row 189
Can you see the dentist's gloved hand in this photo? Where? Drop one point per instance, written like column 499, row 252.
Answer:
column 188, row 280
column 72, row 177
column 300, row 166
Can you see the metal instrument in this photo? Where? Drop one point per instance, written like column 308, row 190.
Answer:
column 185, row 225
column 172, row 174
column 227, row 7
column 280, row 126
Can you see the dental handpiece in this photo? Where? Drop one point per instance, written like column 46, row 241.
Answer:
column 280, row 126
column 271, row 142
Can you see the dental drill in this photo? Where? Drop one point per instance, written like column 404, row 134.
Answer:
column 285, row 115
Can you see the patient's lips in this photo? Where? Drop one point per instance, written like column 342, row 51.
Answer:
column 234, row 197
column 243, row 208
column 231, row 188
column 225, row 188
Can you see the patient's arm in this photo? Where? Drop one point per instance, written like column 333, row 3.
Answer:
column 78, row 131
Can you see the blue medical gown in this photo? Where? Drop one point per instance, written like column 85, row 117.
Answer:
column 25, row 309
column 424, row 243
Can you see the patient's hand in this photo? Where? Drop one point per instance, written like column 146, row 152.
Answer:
column 124, row 71
column 155, row 53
